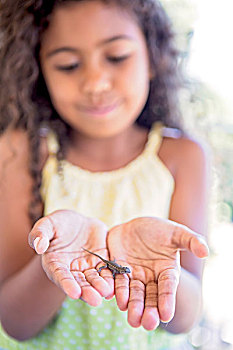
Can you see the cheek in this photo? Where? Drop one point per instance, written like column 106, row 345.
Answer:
column 137, row 81
column 61, row 91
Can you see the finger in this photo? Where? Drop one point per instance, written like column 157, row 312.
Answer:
column 136, row 303
column 41, row 244
column 122, row 291
column 106, row 274
column 97, row 282
column 63, row 278
column 150, row 318
column 105, row 282
column 70, row 287
column 88, row 294
column 41, row 234
column 167, row 286
column 185, row 238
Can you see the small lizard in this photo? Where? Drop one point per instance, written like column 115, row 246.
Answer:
column 111, row 265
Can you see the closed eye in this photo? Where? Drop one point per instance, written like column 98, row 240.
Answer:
column 68, row 68
column 117, row 59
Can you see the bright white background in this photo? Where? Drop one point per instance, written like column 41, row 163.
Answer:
column 211, row 58
column 211, row 61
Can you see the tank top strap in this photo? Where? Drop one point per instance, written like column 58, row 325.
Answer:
column 155, row 138
column 154, row 141
column 52, row 143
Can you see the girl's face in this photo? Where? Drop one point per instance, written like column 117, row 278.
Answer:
column 95, row 63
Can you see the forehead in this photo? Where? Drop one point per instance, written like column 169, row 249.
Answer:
column 92, row 20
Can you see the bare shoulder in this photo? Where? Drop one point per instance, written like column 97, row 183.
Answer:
column 15, row 150
column 183, row 152
column 13, row 144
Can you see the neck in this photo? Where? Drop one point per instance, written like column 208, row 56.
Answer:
column 109, row 153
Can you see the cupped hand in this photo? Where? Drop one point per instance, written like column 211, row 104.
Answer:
column 150, row 247
column 59, row 237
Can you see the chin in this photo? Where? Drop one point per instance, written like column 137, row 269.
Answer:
column 104, row 130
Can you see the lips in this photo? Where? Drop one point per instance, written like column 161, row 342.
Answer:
column 98, row 110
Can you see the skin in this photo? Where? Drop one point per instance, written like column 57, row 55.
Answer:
column 149, row 246
column 81, row 94
column 100, row 100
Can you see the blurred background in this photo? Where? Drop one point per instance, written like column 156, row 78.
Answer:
column 204, row 35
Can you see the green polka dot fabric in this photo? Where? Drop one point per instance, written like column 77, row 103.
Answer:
column 81, row 327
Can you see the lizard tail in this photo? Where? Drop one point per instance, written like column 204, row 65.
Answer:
column 98, row 256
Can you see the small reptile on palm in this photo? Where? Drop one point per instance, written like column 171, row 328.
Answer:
column 111, row 265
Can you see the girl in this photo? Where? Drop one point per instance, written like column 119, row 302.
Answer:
column 87, row 88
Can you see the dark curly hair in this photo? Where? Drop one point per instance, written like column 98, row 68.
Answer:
column 24, row 99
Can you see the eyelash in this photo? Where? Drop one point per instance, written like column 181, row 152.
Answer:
column 72, row 67
column 68, row 68
column 117, row 59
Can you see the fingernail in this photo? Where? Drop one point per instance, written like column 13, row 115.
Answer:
column 36, row 242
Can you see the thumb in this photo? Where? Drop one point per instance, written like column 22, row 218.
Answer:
column 41, row 234
column 184, row 238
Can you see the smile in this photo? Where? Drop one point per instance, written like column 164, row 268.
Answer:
column 98, row 110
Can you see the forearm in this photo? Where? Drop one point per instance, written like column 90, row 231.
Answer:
column 188, row 304
column 28, row 301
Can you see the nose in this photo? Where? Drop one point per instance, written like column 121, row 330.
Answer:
column 95, row 81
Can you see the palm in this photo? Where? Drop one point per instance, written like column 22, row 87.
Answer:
column 150, row 246
column 64, row 260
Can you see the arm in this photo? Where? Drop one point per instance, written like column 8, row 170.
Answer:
column 28, row 298
column 188, row 163
column 24, row 286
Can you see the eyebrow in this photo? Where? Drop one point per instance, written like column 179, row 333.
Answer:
column 103, row 42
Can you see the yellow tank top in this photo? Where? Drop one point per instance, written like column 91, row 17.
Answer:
column 142, row 188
